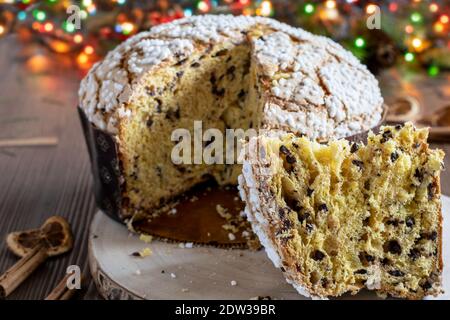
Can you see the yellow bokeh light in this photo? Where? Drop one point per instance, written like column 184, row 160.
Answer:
column 330, row 4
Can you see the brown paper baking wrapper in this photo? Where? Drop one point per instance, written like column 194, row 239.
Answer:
column 194, row 221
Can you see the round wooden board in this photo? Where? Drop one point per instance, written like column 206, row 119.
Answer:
column 171, row 272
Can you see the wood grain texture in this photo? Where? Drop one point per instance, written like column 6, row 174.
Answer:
column 38, row 182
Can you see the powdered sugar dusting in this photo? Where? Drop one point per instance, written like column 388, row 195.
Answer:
column 319, row 88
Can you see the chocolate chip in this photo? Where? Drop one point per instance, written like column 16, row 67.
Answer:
column 181, row 62
column 394, row 156
column 393, row 222
column 393, row 247
column 429, row 236
column 241, row 94
column 369, row 257
column 218, row 92
column 231, row 70
column 309, row 227
column 180, row 74
column 385, row 261
column 158, row 105
column 303, row 217
column 419, row 175
column 399, row 126
column 426, row 285
column 386, row 136
column 414, row 253
column 359, row 164
column 149, row 122
column 290, row 159
column 309, row 192
column 195, row 65
column 136, row 254
column 396, row 273
column 284, row 150
column 220, row 53
column 367, row 185
column 366, row 221
column 282, row 213
column 410, row 222
column 361, row 271
column 416, row 145
column 431, row 191
column 318, row 255
column 354, row 148
column 323, row 207
column 287, row 224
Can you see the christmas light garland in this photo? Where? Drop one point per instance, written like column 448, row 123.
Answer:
column 414, row 33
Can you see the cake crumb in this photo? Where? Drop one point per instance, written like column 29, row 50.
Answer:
column 173, row 275
column 185, row 290
column 223, row 212
column 181, row 245
column 172, row 211
column 231, row 236
column 245, row 234
column 146, row 238
column 189, row 245
column 145, row 252
column 233, row 283
column 138, row 272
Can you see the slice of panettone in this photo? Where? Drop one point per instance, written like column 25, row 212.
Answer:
column 342, row 216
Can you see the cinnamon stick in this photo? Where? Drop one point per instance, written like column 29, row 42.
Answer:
column 61, row 292
column 15, row 275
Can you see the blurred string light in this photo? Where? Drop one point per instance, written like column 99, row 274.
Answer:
column 309, row 8
column 422, row 24
column 360, row 42
column 409, row 57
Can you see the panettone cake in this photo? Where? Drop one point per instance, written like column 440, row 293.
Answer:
column 342, row 216
column 227, row 72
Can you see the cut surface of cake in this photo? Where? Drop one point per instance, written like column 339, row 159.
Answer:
column 227, row 72
column 341, row 216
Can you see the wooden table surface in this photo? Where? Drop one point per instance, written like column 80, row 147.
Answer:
column 38, row 98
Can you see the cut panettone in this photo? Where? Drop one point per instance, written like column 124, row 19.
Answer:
column 341, row 216
column 227, row 72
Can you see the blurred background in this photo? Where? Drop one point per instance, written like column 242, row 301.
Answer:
column 44, row 164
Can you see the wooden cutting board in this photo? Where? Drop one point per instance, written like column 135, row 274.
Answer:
column 172, row 272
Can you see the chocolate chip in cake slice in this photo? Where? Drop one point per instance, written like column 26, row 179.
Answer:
column 414, row 253
column 290, row 159
column 309, row 192
column 284, row 150
column 361, row 271
column 318, row 255
column 410, row 221
column 396, row 273
column 393, row 247
column 394, row 156
column 386, row 136
column 354, row 147
column 322, row 207
column 309, row 227
column 426, row 285
column 431, row 188
column 220, row 53
column 359, row 164
column 195, row 65
column 303, row 216
column 418, row 174
column 399, row 126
